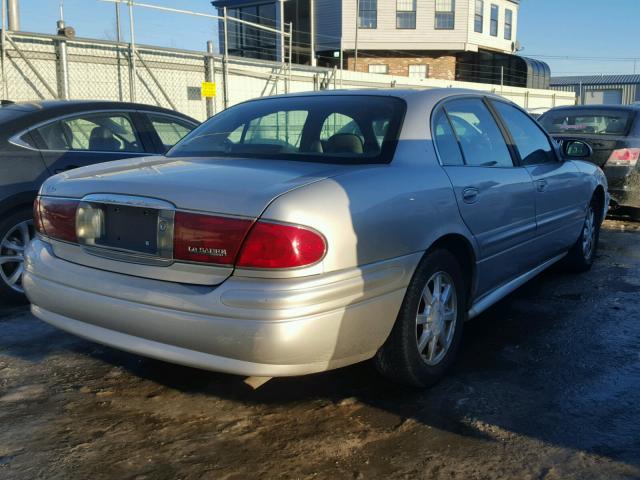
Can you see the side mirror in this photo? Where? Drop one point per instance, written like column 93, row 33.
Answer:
column 577, row 149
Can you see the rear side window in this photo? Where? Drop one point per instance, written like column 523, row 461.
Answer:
column 92, row 132
column 583, row 120
column 170, row 130
column 532, row 144
column 446, row 141
column 330, row 129
column 482, row 142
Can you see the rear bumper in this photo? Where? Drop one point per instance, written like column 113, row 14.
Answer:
column 624, row 185
column 261, row 327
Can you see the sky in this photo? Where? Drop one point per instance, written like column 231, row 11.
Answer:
column 573, row 36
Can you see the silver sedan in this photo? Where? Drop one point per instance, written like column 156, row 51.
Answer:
column 296, row 234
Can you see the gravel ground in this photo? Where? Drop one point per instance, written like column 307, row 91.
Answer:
column 547, row 387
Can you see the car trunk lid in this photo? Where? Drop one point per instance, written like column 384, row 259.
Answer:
column 135, row 204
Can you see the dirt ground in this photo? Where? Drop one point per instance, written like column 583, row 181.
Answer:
column 547, row 387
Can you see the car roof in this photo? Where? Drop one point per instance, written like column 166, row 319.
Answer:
column 55, row 107
column 622, row 108
column 433, row 94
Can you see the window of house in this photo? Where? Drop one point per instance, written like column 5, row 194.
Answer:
column 445, row 14
column 378, row 68
column 508, row 24
column 494, row 20
column 405, row 13
column 418, row 71
column 479, row 16
column 368, row 14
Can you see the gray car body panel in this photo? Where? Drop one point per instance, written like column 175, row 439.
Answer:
column 375, row 218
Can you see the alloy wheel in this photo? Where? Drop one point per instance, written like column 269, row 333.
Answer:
column 589, row 233
column 12, row 249
column 436, row 318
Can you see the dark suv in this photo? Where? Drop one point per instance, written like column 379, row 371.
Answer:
column 614, row 133
column 40, row 139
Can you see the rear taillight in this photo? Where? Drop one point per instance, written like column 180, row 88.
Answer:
column 56, row 218
column 208, row 239
column 627, row 157
column 273, row 245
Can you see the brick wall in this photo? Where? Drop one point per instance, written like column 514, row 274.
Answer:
column 441, row 66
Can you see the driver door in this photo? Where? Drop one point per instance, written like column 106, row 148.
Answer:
column 495, row 197
column 84, row 139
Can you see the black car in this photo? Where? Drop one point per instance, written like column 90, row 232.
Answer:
column 613, row 132
column 40, row 139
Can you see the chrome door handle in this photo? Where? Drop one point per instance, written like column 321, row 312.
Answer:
column 541, row 185
column 470, row 195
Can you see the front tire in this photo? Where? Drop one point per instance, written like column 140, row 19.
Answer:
column 426, row 336
column 15, row 233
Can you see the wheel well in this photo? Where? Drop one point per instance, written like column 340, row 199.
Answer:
column 599, row 196
column 460, row 247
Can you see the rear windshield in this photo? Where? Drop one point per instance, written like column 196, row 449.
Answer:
column 598, row 122
column 332, row 129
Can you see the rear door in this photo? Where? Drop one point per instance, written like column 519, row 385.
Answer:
column 496, row 198
column 562, row 191
column 84, row 139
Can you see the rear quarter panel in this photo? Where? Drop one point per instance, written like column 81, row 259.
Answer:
column 376, row 213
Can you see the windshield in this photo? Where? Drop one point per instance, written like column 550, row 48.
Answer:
column 333, row 129
column 598, row 122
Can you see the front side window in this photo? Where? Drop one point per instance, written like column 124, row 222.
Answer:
column 478, row 19
column 170, row 130
column 99, row 132
column 494, row 20
column 445, row 14
column 530, row 141
column 418, row 71
column 405, row 14
column 580, row 120
column 328, row 129
column 482, row 142
column 508, row 24
column 378, row 68
column 368, row 14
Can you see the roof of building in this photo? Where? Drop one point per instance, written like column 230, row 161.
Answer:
column 596, row 80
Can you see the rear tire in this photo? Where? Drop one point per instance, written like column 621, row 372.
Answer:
column 426, row 337
column 580, row 257
column 15, row 233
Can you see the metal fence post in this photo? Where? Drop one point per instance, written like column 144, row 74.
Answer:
column 290, row 56
column 3, row 45
column 225, row 61
column 62, row 64
column 210, row 76
column 132, row 56
column 118, row 54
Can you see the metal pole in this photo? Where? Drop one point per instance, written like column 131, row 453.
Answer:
column 341, row 66
column 501, row 79
column 63, row 65
column 225, row 61
column 118, row 57
column 281, row 6
column 14, row 16
column 3, row 44
column 355, row 50
column 132, row 56
column 312, row 31
column 290, row 55
column 210, row 76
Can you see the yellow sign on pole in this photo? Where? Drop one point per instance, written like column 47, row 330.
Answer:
column 208, row 89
